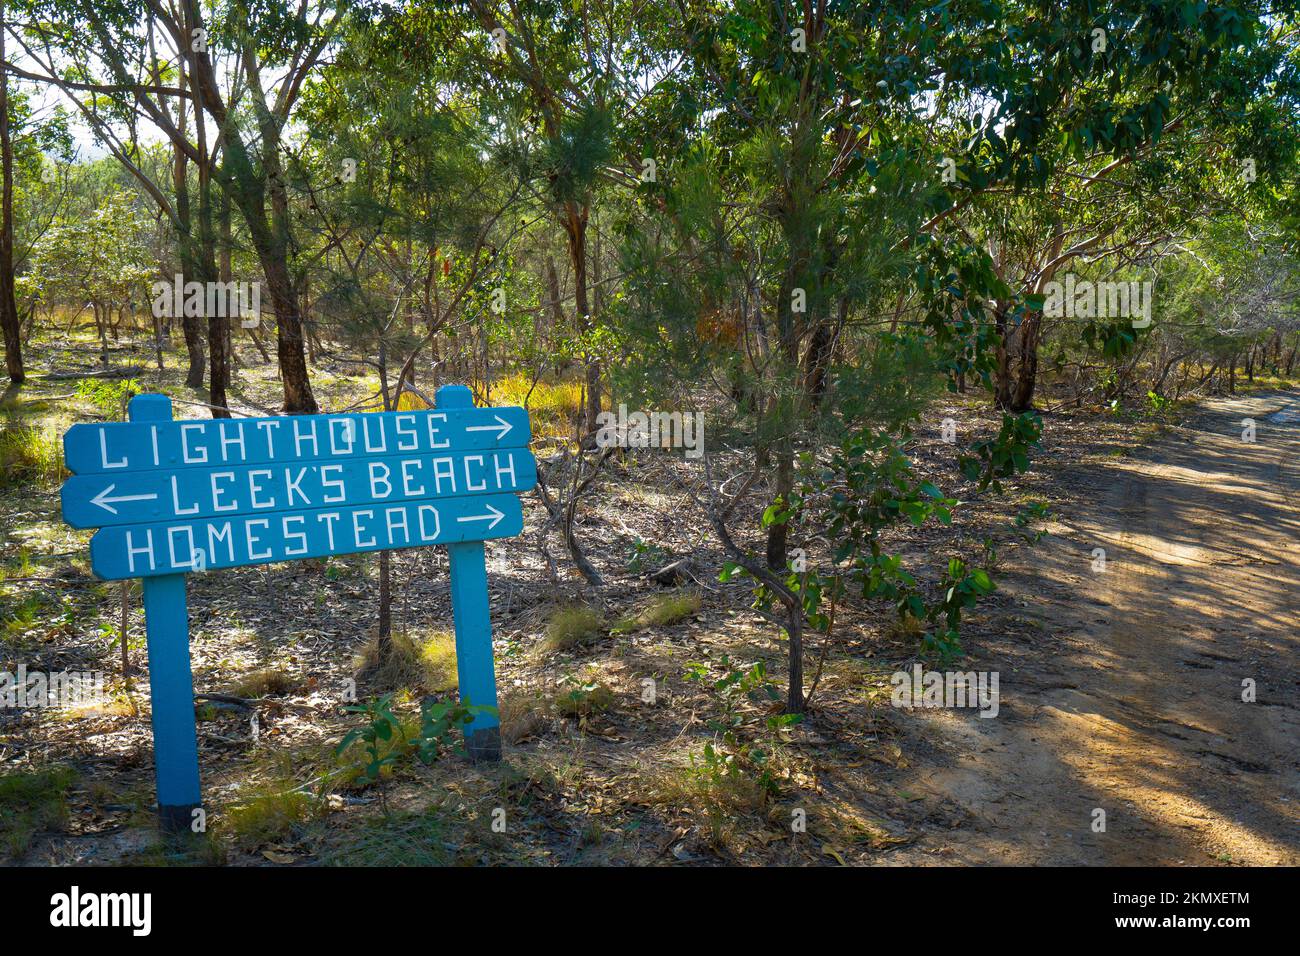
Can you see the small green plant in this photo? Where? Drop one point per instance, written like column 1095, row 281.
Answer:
column 1025, row 520
column 438, row 722
column 1022, row 530
column 380, row 735
column 1158, row 406
column 581, row 698
column 737, row 754
column 385, row 739
column 645, row 556
column 962, row 588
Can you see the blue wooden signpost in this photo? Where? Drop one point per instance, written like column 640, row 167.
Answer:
column 176, row 497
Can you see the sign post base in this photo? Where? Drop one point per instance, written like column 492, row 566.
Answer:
column 177, row 819
column 483, row 745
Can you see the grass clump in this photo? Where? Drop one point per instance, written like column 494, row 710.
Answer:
column 269, row 816
column 438, row 658
column 31, row 802
column 410, row 664
column 30, row 456
column 522, row 716
column 400, row 668
column 553, row 407
column 571, row 626
column 264, row 683
column 663, row 611
column 399, row 839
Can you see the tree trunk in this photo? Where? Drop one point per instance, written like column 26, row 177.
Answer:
column 1002, row 394
column 289, row 344
column 794, row 689
column 817, row 358
column 8, row 304
column 575, row 228
column 270, row 239
column 1022, row 399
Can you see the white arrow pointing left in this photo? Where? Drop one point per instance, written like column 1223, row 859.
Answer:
column 495, row 517
column 104, row 501
column 502, row 428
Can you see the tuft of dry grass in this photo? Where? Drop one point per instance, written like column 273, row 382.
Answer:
column 412, row 664
column 661, row 612
column 438, row 656
column 269, row 814
column 906, row 629
column 401, row 668
column 571, row 626
column 269, row 682
column 522, row 716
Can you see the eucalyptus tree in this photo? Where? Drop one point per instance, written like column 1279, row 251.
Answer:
column 221, row 85
column 403, row 214
column 813, row 189
column 562, row 84
column 1148, row 121
column 26, row 181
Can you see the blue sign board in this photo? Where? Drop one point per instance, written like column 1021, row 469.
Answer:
column 176, row 497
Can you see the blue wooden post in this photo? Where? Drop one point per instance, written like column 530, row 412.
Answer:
column 171, row 685
column 469, row 607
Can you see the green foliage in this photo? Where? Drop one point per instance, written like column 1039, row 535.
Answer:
column 109, row 396
column 645, row 556
column 1004, row 455
column 743, row 747
column 380, row 736
column 385, row 740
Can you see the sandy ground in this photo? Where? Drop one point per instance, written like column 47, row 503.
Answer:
column 1129, row 699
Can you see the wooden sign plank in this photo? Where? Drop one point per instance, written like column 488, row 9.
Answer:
column 138, row 497
column 133, row 551
column 118, row 447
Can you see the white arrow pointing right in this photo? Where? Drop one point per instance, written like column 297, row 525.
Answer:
column 502, row 428
column 495, row 517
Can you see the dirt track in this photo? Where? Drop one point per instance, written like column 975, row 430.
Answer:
column 1129, row 696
